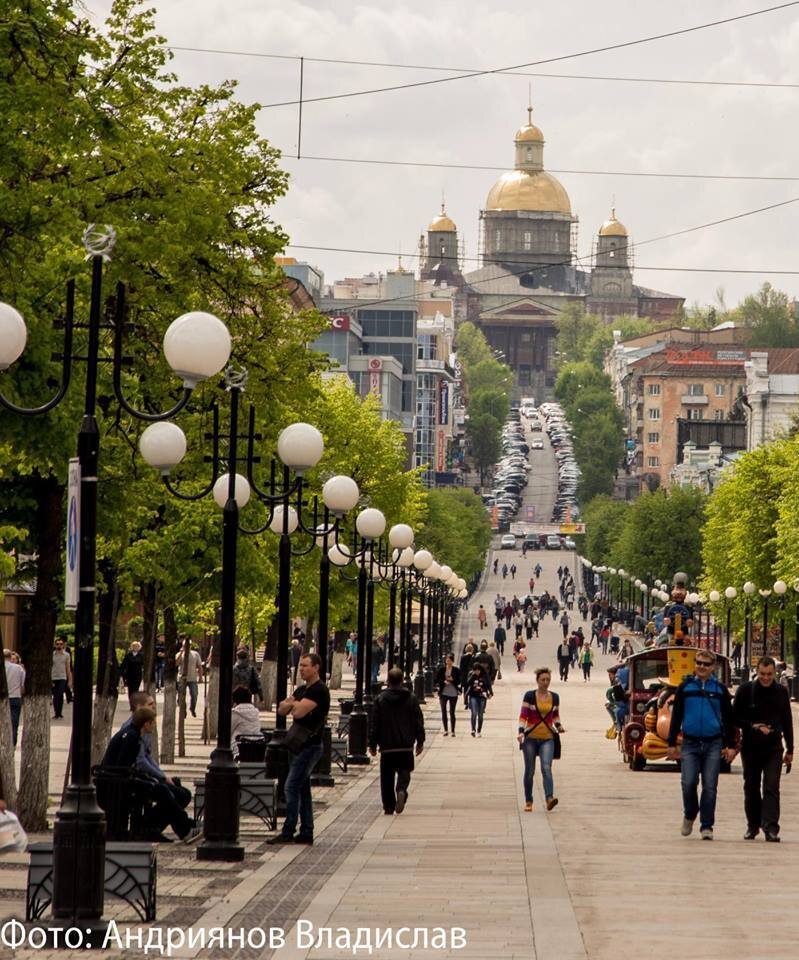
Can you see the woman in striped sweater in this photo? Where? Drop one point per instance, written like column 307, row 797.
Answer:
column 539, row 733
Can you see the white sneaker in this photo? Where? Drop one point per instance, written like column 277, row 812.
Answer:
column 479, row 734
column 707, row 833
column 687, row 827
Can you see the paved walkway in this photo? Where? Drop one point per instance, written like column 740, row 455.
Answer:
column 606, row 874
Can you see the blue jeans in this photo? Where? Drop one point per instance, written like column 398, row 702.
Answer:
column 298, row 791
column 193, row 690
column 15, row 703
column 477, row 705
column 700, row 757
column 544, row 750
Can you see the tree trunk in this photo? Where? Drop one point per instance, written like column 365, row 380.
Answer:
column 8, row 780
column 337, row 670
column 107, row 690
column 170, row 687
column 37, row 655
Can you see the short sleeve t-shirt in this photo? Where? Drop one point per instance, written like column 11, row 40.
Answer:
column 315, row 720
column 60, row 660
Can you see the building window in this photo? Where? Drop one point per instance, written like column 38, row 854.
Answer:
column 654, row 413
column 696, row 390
column 653, row 461
column 653, row 389
column 529, row 154
column 718, row 414
column 719, row 389
column 653, row 438
column 528, row 242
column 694, row 413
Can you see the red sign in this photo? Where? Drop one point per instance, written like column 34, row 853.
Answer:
column 440, row 451
column 340, row 322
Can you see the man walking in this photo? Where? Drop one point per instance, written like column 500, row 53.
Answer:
column 500, row 637
column 396, row 725
column 762, row 709
column 61, row 676
column 191, row 672
column 308, row 706
column 15, row 681
column 564, row 657
column 703, row 712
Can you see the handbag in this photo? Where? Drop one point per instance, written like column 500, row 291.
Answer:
column 12, row 836
column 297, row 737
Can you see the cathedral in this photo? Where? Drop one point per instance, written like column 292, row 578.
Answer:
column 529, row 267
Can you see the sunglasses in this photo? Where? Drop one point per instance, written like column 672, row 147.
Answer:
column 704, row 663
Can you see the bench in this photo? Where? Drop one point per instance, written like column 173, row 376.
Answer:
column 257, row 795
column 130, row 874
column 123, row 798
column 339, row 748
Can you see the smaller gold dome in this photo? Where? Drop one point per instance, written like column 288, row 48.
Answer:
column 529, row 133
column 613, row 227
column 442, row 223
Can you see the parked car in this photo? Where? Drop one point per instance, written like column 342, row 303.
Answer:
column 508, row 542
column 569, row 544
column 553, row 542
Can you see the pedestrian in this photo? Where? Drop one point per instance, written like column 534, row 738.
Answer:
column 518, row 625
column 61, row 675
column 762, row 709
column 397, row 727
column 448, row 686
column 378, row 657
column 160, row 663
column 308, row 706
column 516, row 604
column 564, row 657
column 132, row 667
column 538, row 570
column 484, row 657
column 508, row 614
column 524, row 548
column 245, row 720
column 564, row 624
column 496, row 562
column 499, row 607
column 737, row 648
column 554, row 607
column 504, row 571
column 572, row 641
column 520, row 654
column 482, row 617
column 245, row 674
column 496, row 659
column 192, row 673
column 477, row 692
column 702, row 711
column 465, row 665
column 295, row 652
column 539, row 736
column 351, row 649
column 513, row 571
column 560, row 573
column 604, row 636
column 586, row 660
column 528, row 627
column 15, row 682
column 499, row 638
column 531, row 584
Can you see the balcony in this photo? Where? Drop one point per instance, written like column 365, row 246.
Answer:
column 436, row 366
column 694, row 400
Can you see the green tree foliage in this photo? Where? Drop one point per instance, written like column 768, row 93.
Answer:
column 484, row 438
column 603, row 518
column 770, row 318
column 471, row 345
column 457, row 530
column 492, row 401
column 576, row 328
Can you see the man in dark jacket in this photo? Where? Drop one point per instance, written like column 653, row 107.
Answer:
column 397, row 724
column 499, row 637
column 762, row 709
column 484, row 657
column 703, row 712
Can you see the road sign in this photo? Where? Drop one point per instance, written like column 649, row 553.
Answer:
column 530, row 512
column 72, row 587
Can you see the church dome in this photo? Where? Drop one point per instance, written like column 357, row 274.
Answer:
column 613, row 227
column 536, row 191
column 529, row 133
column 441, row 223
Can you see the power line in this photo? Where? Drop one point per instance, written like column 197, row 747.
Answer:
column 530, row 269
column 538, row 63
column 593, row 173
column 475, row 71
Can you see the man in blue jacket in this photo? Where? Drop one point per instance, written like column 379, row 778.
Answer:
column 703, row 712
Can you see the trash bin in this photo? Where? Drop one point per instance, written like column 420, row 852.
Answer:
column 251, row 749
column 345, row 706
column 795, row 687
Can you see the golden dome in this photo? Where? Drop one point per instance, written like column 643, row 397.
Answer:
column 613, row 227
column 529, row 132
column 538, row 191
column 441, row 223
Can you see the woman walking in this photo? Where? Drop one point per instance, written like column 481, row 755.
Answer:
column 586, row 660
column 476, row 692
column 482, row 617
column 539, row 736
column 448, row 685
column 520, row 653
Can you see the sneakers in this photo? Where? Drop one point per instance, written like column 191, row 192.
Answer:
column 194, row 834
column 479, row 733
column 751, row 833
column 552, row 802
column 687, row 827
column 280, row 838
column 402, row 798
column 446, row 733
column 706, row 833
column 453, row 734
column 772, row 837
column 528, row 807
column 474, row 734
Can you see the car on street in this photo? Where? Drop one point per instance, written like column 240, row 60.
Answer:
column 553, row 542
column 537, row 445
column 508, row 542
column 569, row 544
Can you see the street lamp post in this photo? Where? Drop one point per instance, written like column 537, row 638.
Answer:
column 780, row 588
column 749, row 589
column 730, row 593
column 197, row 346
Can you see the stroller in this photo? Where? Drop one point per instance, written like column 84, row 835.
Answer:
column 614, row 644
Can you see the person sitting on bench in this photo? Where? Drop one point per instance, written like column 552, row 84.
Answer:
column 123, row 751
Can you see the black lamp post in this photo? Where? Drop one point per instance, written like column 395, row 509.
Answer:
column 197, row 346
column 765, row 594
column 730, row 593
column 749, row 589
column 780, row 589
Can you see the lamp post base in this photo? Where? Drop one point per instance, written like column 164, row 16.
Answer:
column 428, row 681
column 221, row 816
column 418, row 687
column 79, row 851
column 358, row 737
column 321, row 777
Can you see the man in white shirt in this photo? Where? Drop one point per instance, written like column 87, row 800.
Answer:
column 15, row 680
column 193, row 674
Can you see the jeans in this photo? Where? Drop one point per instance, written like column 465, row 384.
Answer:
column 298, row 791
column 477, row 705
column 564, row 665
column 451, row 701
column 586, row 671
column 193, row 686
column 169, row 809
column 762, row 765
column 15, row 703
column 700, row 758
column 544, row 749
column 59, row 688
column 159, row 674
column 395, row 775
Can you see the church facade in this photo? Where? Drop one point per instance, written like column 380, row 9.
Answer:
column 529, row 268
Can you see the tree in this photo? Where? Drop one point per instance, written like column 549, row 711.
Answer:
column 489, row 400
column 457, row 530
column 575, row 330
column 471, row 344
column 483, row 433
column 770, row 318
column 603, row 517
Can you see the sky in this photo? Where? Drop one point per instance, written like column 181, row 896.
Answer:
column 613, row 127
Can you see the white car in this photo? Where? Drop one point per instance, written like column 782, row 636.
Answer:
column 508, row 542
column 537, row 445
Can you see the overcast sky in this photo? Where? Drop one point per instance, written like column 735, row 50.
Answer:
column 595, row 125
